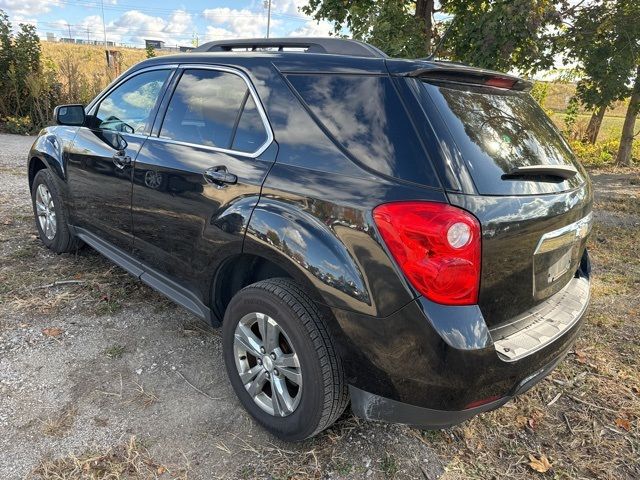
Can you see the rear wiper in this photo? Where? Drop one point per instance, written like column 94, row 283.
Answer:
column 563, row 172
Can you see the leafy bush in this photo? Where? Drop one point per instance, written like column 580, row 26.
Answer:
column 601, row 154
column 27, row 88
column 18, row 125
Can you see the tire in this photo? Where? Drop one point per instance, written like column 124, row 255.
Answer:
column 322, row 396
column 55, row 234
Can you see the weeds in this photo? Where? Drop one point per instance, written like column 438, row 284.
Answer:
column 115, row 351
column 59, row 425
column 129, row 460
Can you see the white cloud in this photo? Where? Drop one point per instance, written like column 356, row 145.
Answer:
column 28, row 7
column 237, row 23
column 132, row 27
column 312, row 29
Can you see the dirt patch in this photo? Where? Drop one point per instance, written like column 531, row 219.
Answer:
column 99, row 374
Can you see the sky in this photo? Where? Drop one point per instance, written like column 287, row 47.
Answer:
column 130, row 22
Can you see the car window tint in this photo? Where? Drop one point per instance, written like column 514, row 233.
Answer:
column 499, row 130
column 250, row 133
column 127, row 108
column 365, row 115
column 204, row 108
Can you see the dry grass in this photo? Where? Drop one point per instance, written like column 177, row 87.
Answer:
column 60, row 424
column 584, row 418
column 38, row 281
column 129, row 460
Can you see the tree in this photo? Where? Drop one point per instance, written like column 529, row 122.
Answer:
column 627, row 33
column 402, row 28
column 591, row 41
column 27, row 90
column 626, row 140
column 504, row 34
column 6, row 59
column 151, row 52
column 498, row 34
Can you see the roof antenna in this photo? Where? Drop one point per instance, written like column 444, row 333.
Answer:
column 431, row 57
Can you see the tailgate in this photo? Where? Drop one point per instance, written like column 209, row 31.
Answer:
column 531, row 247
column 532, row 197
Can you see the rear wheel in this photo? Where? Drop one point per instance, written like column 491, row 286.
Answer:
column 50, row 214
column 281, row 360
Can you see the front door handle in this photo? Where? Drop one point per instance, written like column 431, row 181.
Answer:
column 121, row 159
column 219, row 176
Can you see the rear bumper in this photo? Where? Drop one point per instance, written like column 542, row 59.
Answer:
column 374, row 407
column 436, row 366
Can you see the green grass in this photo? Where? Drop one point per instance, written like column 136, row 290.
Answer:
column 611, row 127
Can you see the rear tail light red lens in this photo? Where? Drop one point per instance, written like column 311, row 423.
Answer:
column 437, row 247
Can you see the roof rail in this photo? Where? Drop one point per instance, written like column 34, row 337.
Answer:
column 336, row 46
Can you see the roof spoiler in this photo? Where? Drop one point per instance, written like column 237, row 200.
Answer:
column 463, row 74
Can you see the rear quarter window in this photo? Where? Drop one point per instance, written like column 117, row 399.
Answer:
column 499, row 130
column 365, row 116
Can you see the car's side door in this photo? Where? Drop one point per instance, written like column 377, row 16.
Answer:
column 199, row 175
column 100, row 166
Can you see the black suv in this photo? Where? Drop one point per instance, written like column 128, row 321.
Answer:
column 404, row 235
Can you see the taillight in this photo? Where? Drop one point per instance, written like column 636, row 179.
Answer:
column 437, row 247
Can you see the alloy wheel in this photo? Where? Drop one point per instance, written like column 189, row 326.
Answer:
column 45, row 210
column 267, row 364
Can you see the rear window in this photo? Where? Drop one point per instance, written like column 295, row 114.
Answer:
column 497, row 131
column 366, row 117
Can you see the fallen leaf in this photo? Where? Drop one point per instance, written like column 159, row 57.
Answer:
column 581, row 357
column 521, row 421
column 161, row 470
column 623, row 423
column 541, row 465
column 52, row 332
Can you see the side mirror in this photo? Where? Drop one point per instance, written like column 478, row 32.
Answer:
column 72, row 115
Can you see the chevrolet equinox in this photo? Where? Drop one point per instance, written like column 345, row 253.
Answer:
column 407, row 236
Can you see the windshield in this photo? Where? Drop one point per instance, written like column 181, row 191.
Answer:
column 499, row 130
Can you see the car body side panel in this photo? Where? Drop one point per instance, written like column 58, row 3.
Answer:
column 185, row 226
column 315, row 211
column 52, row 148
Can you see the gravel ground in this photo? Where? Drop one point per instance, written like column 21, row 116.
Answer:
column 90, row 365
column 86, row 366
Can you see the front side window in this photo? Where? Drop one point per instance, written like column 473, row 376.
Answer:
column 215, row 109
column 128, row 108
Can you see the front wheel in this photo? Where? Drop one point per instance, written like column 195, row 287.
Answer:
column 50, row 213
column 281, row 360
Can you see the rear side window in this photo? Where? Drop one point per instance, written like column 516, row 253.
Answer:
column 365, row 115
column 499, row 130
column 250, row 133
column 215, row 109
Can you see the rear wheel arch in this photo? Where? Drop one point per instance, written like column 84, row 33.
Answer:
column 242, row 270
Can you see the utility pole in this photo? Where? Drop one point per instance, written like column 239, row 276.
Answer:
column 104, row 26
column 69, row 27
column 268, row 5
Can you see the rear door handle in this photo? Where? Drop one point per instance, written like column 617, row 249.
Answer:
column 219, row 176
column 121, row 159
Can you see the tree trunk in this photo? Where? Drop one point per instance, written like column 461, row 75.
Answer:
column 626, row 141
column 424, row 11
column 591, row 135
